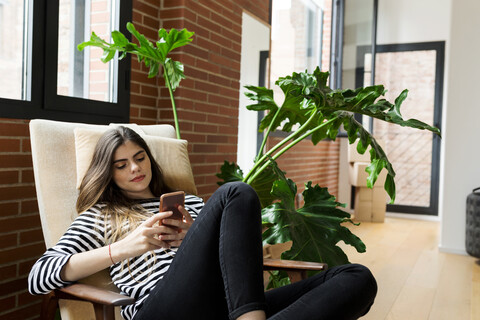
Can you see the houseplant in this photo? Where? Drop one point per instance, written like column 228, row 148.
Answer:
column 310, row 109
column 317, row 111
column 153, row 57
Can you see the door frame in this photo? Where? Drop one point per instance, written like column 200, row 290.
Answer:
column 439, row 47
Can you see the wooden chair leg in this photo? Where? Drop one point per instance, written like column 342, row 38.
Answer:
column 296, row 275
column 104, row 312
column 49, row 306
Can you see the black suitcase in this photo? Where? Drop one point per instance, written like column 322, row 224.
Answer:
column 472, row 239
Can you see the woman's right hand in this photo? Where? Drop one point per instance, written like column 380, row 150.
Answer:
column 144, row 238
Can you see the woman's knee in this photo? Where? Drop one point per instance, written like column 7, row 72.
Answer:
column 239, row 188
column 366, row 280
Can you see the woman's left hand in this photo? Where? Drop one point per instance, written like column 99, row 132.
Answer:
column 175, row 240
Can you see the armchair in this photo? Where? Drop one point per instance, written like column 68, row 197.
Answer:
column 60, row 152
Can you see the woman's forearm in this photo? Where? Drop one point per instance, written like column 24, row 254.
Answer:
column 86, row 263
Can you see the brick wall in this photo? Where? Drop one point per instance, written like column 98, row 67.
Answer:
column 207, row 105
column 306, row 162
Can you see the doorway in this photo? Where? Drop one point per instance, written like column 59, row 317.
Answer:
column 414, row 154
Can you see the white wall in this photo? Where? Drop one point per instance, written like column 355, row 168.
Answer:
column 457, row 23
column 461, row 131
column 255, row 38
column 410, row 21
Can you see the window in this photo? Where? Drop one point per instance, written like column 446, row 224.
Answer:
column 46, row 76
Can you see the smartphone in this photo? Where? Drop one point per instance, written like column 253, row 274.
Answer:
column 171, row 201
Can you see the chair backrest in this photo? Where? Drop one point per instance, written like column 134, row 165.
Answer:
column 55, row 150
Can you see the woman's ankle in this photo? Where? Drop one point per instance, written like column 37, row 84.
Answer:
column 253, row 315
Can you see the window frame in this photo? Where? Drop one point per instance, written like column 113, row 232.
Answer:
column 44, row 101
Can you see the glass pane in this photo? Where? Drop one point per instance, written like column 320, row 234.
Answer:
column 357, row 34
column 15, row 49
column 410, row 151
column 300, row 37
column 82, row 74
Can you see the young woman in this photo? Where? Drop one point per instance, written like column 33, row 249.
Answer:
column 208, row 266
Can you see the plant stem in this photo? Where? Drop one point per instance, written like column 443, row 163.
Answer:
column 172, row 100
column 258, row 162
column 286, row 148
column 266, row 134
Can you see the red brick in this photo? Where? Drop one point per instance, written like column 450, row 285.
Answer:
column 8, row 272
column 8, row 240
column 208, row 24
column 172, row 13
column 31, row 236
column 12, row 286
column 199, row 9
column 23, row 312
column 227, row 148
column 220, row 100
column 145, row 8
column 195, row 73
column 205, row 128
column 26, row 145
column 15, row 161
column 20, row 223
column 134, row 112
column 21, row 253
column 27, row 176
column 142, row 77
column 18, row 192
column 13, row 129
column 148, row 113
column 24, row 267
column 225, row 23
column 9, row 145
column 198, row 52
column 27, row 298
column 207, row 87
column 217, row 139
column 212, row 46
column 204, row 148
column 152, row 22
column 7, row 303
column 8, row 177
column 221, row 40
column 9, row 209
column 171, row 3
column 191, row 94
column 208, row 66
column 229, row 73
column 142, row 100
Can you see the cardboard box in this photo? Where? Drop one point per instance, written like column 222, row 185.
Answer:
column 358, row 176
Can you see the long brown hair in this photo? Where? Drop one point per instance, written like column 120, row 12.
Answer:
column 98, row 186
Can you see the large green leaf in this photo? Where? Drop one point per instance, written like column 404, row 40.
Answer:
column 229, row 172
column 262, row 184
column 152, row 56
column 174, row 71
column 314, row 229
column 172, row 40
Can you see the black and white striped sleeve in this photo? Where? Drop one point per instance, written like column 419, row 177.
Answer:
column 85, row 233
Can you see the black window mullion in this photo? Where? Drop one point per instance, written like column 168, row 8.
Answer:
column 44, row 101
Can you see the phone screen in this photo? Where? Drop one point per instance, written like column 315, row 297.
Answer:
column 171, row 201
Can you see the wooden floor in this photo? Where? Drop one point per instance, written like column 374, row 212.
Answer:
column 415, row 279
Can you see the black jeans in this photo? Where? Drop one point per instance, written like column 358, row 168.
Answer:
column 217, row 272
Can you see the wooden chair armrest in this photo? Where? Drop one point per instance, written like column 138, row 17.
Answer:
column 296, row 270
column 80, row 291
column 278, row 264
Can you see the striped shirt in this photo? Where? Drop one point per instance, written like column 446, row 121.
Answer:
column 87, row 233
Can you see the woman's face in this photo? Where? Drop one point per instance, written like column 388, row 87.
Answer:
column 132, row 171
